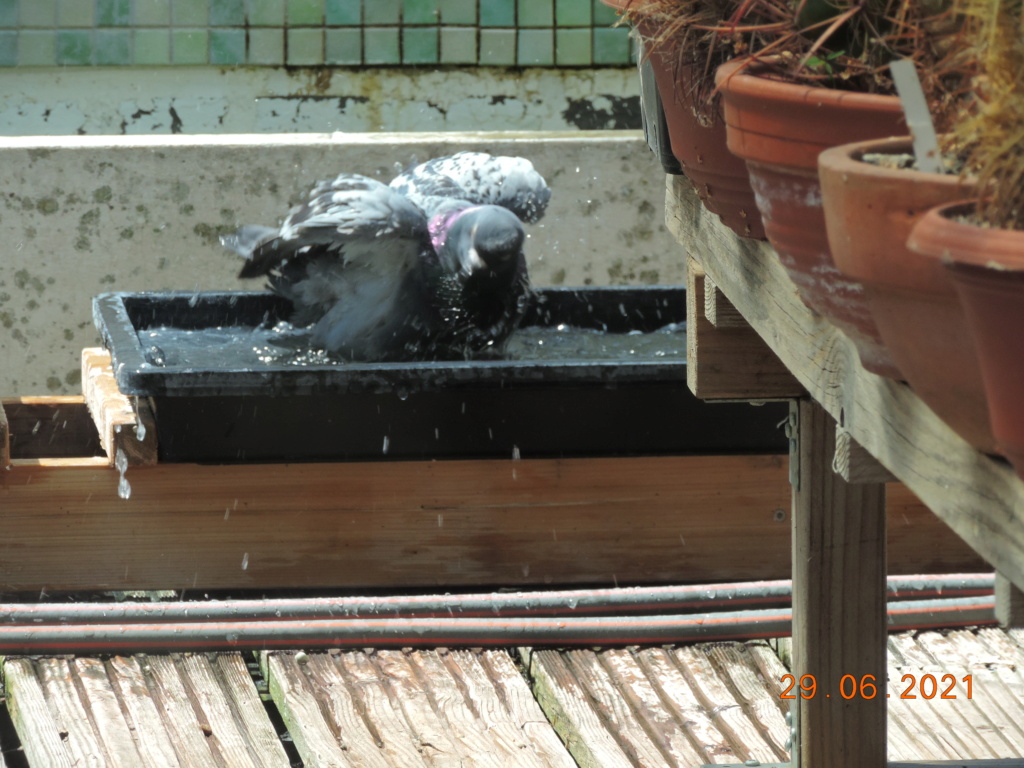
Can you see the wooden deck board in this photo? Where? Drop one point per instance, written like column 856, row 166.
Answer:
column 157, row 712
column 406, row 708
column 707, row 703
column 723, row 698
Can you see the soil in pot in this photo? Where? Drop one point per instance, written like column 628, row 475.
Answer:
column 870, row 209
column 779, row 129
column 987, row 267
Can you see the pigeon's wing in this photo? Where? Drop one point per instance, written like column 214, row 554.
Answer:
column 351, row 217
column 479, row 178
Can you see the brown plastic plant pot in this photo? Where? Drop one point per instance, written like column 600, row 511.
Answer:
column 869, row 212
column 987, row 267
column 780, row 128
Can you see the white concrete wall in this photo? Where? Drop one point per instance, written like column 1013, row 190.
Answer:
column 163, row 100
column 84, row 215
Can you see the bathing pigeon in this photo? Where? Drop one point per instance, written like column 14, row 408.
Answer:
column 429, row 267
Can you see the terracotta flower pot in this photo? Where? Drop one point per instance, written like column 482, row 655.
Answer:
column 987, row 267
column 869, row 212
column 779, row 128
column 719, row 177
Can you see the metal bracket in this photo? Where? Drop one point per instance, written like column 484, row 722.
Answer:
column 793, row 432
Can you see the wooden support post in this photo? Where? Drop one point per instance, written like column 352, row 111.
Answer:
column 729, row 362
column 839, row 611
column 5, row 440
column 1009, row 602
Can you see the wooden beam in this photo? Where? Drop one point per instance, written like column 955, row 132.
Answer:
column 124, row 425
column 718, row 310
column 839, row 610
column 979, row 497
column 855, row 465
column 1009, row 603
column 391, row 524
column 729, row 363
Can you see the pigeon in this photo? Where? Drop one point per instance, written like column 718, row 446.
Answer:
column 428, row 267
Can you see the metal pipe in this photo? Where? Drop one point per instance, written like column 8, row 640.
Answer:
column 433, row 632
column 618, row 601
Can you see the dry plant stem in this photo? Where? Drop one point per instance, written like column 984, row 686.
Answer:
column 995, row 134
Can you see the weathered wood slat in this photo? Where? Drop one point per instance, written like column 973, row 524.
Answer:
column 250, row 717
column 205, row 692
column 983, row 711
column 737, row 666
column 186, row 727
column 727, row 713
column 144, row 719
column 952, row 726
column 523, row 708
column 105, row 713
column 570, row 710
column 70, row 719
column 732, row 362
column 980, row 498
column 615, row 709
column 339, row 709
column 33, row 718
column 318, row 744
column 626, row 520
column 428, row 728
column 367, row 682
column 461, row 719
column 647, row 706
column 465, row 667
column 682, row 702
column 119, row 424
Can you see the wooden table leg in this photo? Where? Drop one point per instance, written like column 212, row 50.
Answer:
column 839, row 610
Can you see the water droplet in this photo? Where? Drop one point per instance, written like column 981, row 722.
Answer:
column 124, row 490
column 440, row 520
column 515, row 453
column 387, row 441
column 245, row 561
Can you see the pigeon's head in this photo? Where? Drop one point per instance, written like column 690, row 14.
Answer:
column 483, row 239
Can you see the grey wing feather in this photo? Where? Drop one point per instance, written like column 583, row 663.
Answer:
column 342, row 216
column 479, row 178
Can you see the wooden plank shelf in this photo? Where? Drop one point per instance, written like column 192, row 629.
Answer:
column 978, row 496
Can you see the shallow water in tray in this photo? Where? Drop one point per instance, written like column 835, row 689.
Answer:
column 233, row 347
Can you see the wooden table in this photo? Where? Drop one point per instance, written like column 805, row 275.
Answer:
column 750, row 337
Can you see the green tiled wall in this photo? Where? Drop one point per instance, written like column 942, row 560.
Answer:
column 533, row 33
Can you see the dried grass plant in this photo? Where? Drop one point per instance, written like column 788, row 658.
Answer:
column 993, row 131
column 846, row 44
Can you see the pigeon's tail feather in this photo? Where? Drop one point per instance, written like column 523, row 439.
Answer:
column 257, row 245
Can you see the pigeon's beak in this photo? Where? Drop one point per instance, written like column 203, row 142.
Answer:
column 472, row 262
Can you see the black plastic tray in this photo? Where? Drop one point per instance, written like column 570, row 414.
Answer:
column 446, row 409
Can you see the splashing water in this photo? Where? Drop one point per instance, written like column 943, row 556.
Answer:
column 124, row 490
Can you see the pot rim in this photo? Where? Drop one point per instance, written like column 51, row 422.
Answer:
column 847, row 157
column 740, row 77
column 961, row 244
